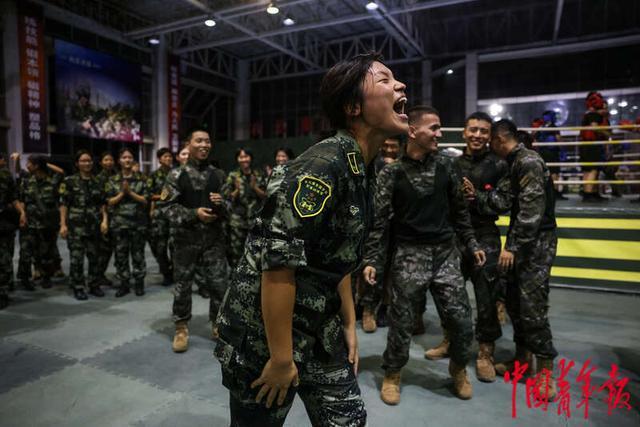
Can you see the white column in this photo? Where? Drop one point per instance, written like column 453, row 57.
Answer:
column 242, row 102
column 11, row 74
column 160, row 95
column 471, row 83
column 427, row 83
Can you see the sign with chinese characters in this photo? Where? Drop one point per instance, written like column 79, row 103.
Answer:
column 97, row 95
column 174, row 102
column 32, row 79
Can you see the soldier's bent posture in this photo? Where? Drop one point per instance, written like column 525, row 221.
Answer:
column 419, row 200
column 127, row 198
column 82, row 219
column 192, row 203
column 529, row 250
column 287, row 324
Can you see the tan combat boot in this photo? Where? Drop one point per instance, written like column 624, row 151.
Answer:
column 181, row 338
column 523, row 356
column 440, row 351
column 461, row 385
column 390, row 392
column 214, row 332
column 369, row 321
column 545, row 384
column 484, row 364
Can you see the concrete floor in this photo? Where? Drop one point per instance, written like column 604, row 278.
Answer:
column 108, row 362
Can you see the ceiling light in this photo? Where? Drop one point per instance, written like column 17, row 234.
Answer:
column 272, row 9
column 450, row 71
column 497, row 118
column 495, row 109
column 623, row 104
column 288, row 22
column 210, row 23
column 611, row 101
column 614, row 112
column 372, row 5
column 635, row 107
column 154, row 41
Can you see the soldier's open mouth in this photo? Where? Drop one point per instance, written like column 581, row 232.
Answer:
column 398, row 107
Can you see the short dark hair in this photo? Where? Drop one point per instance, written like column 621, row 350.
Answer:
column 39, row 161
column 124, row 150
column 194, row 130
column 416, row 112
column 525, row 138
column 341, row 87
column 478, row 115
column 505, row 127
column 288, row 151
column 79, row 154
column 161, row 152
column 246, row 151
column 105, row 154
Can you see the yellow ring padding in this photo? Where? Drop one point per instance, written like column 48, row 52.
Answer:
column 592, row 223
column 588, row 273
column 599, row 249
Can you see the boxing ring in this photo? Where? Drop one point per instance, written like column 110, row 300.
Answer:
column 598, row 243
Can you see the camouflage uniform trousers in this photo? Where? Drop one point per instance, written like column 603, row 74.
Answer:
column 105, row 247
column 528, row 295
column 159, row 244
column 417, row 268
column 198, row 253
column 329, row 391
column 7, row 243
column 130, row 241
column 486, row 282
column 82, row 244
column 37, row 245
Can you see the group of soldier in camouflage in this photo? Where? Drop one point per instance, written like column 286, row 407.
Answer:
column 284, row 320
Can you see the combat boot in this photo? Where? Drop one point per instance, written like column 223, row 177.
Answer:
column 181, row 338
column 545, row 383
column 80, row 294
column 139, row 287
column 27, row 285
column 440, row 351
column 4, row 301
column 46, row 283
column 390, row 392
column 96, row 291
column 461, row 385
column 369, row 320
column 123, row 290
column 214, row 332
column 484, row 363
column 523, row 356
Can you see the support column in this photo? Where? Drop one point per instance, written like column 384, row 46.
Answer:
column 242, row 102
column 11, row 73
column 161, row 96
column 471, row 83
column 427, row 83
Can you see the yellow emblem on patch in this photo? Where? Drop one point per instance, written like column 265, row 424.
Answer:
column 311, row 196
column 353, row 162
column 165, row 194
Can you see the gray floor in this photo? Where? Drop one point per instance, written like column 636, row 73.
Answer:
column 108, row 362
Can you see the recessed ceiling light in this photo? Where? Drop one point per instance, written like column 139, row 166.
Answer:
column 611, row 101
column 210, row 23
column 154, row 41
column 613, row 112
column 623, row 104
column 450, row 71
column 288, row 22
column 272, row 9
column 372, row 5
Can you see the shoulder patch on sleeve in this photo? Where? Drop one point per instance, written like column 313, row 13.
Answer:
column 165, row 194
column 311, row 196
column 353, row 163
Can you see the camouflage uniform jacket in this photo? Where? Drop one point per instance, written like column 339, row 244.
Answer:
column 8, row 195
column 40, row 198
column 155, row 183
column 185, row 190
column 245, row 207
column 485, row 172
column 314, row 221
column 418, row 201
column 83, row 199
column 528, row 193
column 128, row 213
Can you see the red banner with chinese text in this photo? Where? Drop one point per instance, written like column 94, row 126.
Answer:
column 174, row 102
column 32, row 78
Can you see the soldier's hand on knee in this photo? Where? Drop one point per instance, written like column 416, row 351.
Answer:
column 505, row 261
column 480, row 258
column 276, row 378
column 369, row 275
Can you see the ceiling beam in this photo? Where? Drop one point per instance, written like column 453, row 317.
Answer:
column 556, row 24
column 397, row 30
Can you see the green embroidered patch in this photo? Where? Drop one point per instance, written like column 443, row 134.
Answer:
column 311, row 196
